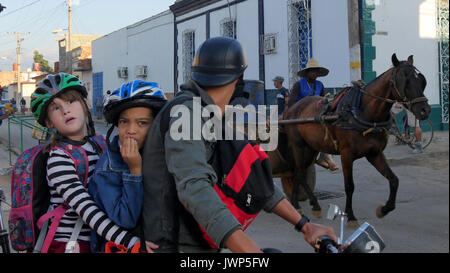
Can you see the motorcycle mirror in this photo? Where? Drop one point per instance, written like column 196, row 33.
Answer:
column 333, row 211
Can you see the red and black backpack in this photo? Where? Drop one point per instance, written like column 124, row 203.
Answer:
column 243, row 171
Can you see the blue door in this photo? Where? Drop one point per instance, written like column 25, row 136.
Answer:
column 97, row 88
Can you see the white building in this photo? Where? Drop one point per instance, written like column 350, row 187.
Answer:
column 279, row 37
column 420, row 30
column 165, row 43
column 27, row 88
column 268, row 31
column 140, row 51
column 27, row 85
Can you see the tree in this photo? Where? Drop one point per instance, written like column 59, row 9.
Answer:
column 39, row 58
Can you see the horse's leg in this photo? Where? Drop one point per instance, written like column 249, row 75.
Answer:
column 304, row 158
column 347, row 169
column 295, row 189
column 380, row 163
column 286, row 183
column 316, row 209
column 296, row 146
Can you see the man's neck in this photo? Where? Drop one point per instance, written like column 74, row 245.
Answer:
column 221, row 95
column 311, row 81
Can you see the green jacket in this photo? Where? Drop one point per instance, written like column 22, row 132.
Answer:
column 170, row 225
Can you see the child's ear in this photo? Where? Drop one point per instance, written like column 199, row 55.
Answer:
column 49, row 124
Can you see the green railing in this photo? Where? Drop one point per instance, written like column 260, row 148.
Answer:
column 22, row 121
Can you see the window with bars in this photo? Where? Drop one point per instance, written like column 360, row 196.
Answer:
column 442, row 29
column 228, row 28
column 188, row 53
column 300, row 36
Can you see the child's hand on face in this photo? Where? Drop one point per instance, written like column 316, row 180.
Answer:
column 130, row 154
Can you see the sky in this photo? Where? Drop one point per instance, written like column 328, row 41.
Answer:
column 38, row 18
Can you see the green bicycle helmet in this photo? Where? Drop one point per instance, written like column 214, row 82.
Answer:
column 51, row 87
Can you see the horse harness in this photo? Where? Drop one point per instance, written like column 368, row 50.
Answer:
column 348, row 108
column 393, row 84
column 348, row 112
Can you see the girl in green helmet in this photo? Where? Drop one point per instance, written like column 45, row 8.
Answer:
column 59, row 102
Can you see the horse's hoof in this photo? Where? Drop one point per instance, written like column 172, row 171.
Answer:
column 299, row 210
column 323, row 163
column 353, row 224
column 317, row 213
column 379, row 211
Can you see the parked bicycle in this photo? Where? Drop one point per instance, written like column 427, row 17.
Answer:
column 4, row 235
column 404, row 134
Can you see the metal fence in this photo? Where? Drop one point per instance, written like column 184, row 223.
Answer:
column 40, row 133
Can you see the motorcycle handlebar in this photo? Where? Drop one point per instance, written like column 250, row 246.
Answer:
column 325, row 244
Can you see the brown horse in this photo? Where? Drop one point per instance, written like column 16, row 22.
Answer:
column 401, row 83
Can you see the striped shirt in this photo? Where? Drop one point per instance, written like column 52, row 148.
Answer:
column 65, row 186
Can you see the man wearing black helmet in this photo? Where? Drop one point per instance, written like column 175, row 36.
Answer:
column 217, row 76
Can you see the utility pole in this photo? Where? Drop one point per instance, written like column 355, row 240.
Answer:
column 18, row 50
column 354, row 40
column 69, row 39
column 19, row 84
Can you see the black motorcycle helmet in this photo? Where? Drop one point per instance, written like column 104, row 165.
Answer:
column 218, row 62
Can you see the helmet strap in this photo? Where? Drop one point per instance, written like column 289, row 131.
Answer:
column 91, row 127
column 108, row 143
column 90, row 121
column 239, row 89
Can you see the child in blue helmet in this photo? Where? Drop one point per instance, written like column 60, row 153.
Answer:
column 117, row 183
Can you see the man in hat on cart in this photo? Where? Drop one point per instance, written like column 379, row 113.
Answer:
column 308, row 85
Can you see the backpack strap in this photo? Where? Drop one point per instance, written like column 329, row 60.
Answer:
column 42, row 234
column 70, row 246
column 100, row 142
column 79, row 158
column 56, row 214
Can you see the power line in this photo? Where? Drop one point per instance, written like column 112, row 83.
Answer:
column 42, row 28
column 20, row 8
column 34, row 21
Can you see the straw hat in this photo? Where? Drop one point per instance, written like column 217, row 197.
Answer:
column 313, row 64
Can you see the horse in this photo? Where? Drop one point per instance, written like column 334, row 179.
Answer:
column 401, row 83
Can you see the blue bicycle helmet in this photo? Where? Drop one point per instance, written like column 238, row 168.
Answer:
column 133, row 94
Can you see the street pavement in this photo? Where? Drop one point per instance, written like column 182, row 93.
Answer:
column 419, row 224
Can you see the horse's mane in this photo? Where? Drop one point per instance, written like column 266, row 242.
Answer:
column 382, row 74
column 377, row 78
column 342, row 90
column 367, row 85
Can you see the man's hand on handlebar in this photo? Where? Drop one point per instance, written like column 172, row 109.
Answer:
column 285, row 210
column 313, row 231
